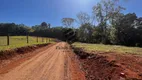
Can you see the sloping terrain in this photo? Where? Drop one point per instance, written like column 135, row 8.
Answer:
column 109, row 65
column 52, row 63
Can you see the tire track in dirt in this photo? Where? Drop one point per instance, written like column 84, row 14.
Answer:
column 46, row 65
column 17, row 60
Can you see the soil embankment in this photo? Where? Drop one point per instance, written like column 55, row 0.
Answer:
column 110, row 66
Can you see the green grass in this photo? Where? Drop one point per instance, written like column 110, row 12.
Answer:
column 19, row 41
column 109, row 48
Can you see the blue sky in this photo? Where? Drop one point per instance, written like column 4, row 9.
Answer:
column 32, row 12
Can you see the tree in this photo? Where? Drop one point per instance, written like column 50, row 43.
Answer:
column 68, row 22
column 138, row 31
column 13, row 29
column 113, row 30
column 49, row 25
column 126, row 31
column 105, row 12
column 44, row 25
column 85, row 33
column 83, row 18
column 97, row 35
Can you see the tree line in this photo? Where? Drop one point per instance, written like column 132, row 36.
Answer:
column 42, row 30
column 107, row 25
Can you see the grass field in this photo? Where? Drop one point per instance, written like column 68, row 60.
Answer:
column 19, row 41
column 109, row 48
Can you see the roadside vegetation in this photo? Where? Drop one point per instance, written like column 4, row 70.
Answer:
column 20, row 41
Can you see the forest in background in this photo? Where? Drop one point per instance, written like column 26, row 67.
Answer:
column 106, row 25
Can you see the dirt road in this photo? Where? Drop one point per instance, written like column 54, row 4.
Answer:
column 49, row 64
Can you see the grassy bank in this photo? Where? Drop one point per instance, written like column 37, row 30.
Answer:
column 20, row 41
column 109, row 48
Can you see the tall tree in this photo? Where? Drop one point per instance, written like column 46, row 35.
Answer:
column 83, row 18
column 49, row 25
column 44, row 25
column 68, row 22
column 105, row 12
column 85, row 33
column 126, row 31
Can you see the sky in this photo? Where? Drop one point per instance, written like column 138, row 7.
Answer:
column 34, row 12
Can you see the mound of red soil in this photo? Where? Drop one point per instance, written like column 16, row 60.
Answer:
column 110, row 66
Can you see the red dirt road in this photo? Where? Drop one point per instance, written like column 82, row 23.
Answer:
column 50, row 64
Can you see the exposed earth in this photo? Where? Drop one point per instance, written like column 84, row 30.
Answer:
column 110, row 65
column 50, row 63
column 58, row 62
